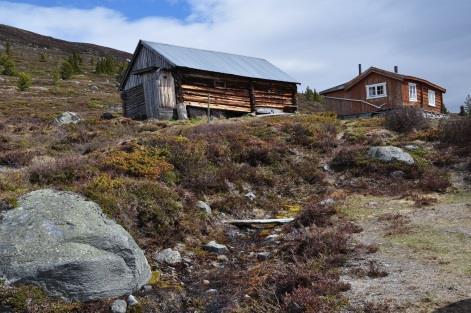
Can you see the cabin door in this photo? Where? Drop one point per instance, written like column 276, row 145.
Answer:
column 166, row 98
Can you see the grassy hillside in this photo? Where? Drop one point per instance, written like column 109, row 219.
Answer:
column 354, row 217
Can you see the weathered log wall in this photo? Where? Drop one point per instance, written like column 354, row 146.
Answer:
column 134, row 104
column 232, row 93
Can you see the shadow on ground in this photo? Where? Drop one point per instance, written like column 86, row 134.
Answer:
column 463, row 306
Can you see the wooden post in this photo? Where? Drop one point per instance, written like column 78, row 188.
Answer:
column 253, row 103
column 209, row 110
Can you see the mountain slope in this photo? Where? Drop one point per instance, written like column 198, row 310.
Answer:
column 19, row 37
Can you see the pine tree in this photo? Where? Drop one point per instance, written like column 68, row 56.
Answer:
column 309, row 94
column 106, row 65
column 8, row 48
column 67, row 70
column 75, row 60
column 24, row 81
column 462, row 111
column 467, row 104
column 42, row 57
column 8, row 65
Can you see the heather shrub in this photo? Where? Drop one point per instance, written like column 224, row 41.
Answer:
column 315, row 214
column 435, row 180
column 140, row 205
column 455, row 131
column 405, row 119
column 16, row 158
column 138, row 161
column 57, row 171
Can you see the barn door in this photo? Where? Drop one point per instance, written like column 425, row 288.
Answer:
column 166, row 88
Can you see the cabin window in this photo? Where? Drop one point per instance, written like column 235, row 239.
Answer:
column 431, row 98
column 412, row 92
column 376, row 91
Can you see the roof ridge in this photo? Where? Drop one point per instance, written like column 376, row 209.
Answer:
column 206, row 50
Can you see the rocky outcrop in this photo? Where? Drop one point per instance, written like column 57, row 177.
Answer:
column 65, row 244
column 390, row 153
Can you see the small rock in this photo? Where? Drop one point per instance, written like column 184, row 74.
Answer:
column 204, row 207
column 168, row 256
column 398, row 174
column 119, row 306
column 326, row 167
column 263, row 255
column 328, row 202
column 2, row 79
column 94, row 88
column 67, row 118
column 206, row 282
column 373, row 204
column 411, row 147
column 215, row 247
column 132, row 300
column 390, row 153
column 107, row 116
column 223, row 258
column 271, row 238
column 147, row 288
column 251, row 196
column 211, row 291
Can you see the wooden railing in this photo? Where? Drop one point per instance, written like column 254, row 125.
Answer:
column 345, row 106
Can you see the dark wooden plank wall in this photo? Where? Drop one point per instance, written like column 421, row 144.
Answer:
column 145, row 58
column 134, row 103
column 342, row 106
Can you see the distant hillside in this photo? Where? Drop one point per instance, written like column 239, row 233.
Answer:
column 20, row 37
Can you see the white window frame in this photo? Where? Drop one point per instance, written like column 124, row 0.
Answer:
column 432, row 95
column 412, row 97
column 375, row 86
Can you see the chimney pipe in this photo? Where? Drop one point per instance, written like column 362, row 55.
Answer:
column 359, row 69
column 396, row 70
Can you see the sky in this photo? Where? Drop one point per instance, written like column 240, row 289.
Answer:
column 318, row 42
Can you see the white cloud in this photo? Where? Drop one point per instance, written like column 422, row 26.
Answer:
column 318, row 42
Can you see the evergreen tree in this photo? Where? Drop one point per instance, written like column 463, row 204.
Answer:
column 106, row 65
column 24, row 81
column 309, row 94
column 67, row 70
column 55, row 77
column 444, row 110
column 8, row 65
column 462, row 111
column 42, row 57
column 467, row 104
column 8, row 48
column 75, row 60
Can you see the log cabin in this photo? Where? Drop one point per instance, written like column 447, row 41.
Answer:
column 377, row 90
column 162, row 78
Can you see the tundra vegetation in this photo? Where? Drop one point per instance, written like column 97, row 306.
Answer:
column 149, row 175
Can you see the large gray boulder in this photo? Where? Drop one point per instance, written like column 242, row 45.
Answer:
column 66, row 245
column 390, row 153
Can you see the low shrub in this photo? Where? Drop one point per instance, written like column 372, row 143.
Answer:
column 57, row 171
column 436, row 180
column 138, row 161
column 455, row 131
column 396, row 223
column 405, row 119
column 140, row 205
column 315, row 214
column 16, row 158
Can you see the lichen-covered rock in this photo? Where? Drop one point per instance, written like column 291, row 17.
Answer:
column 390, row 153
column 215, row 247
column 67, row 118
column 203, row 206
column 168, row 256
column 66, row 245
column 119, row 306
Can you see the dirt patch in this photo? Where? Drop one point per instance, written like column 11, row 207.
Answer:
column 428, row 265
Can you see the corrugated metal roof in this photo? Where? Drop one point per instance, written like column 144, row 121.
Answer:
column 220, row 62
